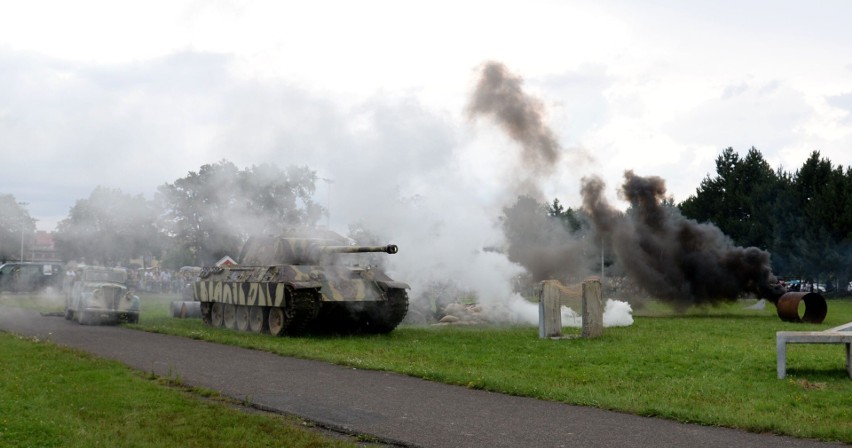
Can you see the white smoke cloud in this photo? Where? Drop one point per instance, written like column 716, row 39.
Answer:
column 434, row 210
column 616, row 313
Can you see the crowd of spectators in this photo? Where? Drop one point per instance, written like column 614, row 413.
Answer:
column 156, row 280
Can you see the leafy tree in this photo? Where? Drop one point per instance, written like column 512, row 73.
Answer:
column 197, row 210
column 823, row 190
column 279, row 198
column 789, row 226
column 571, row 219
column 803, row 218
column 16, row 225
column 539, row 240
column 739, row 200
column 211, row 212
column 843, row 205
column 109, row 228
column 711, row 201
column 820, row 190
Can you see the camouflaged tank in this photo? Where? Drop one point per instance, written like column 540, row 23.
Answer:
column 291, row 284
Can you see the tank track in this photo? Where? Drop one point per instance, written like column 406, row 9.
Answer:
column 301, row 311
column 388, row 314
column 362, row 317
column 304, row 312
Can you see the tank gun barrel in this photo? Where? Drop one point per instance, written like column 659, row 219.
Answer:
column 389, row 249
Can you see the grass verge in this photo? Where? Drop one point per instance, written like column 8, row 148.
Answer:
column 711, row 366
column 53, row 396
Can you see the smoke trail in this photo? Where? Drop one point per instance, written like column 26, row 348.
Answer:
column 673, row 258
column 499, row 94
column 542, row 244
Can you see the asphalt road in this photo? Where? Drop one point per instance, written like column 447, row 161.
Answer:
column 392, row 407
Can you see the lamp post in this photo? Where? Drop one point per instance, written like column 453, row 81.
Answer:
column 22, row 204
column 328, row 183
column 33, row 245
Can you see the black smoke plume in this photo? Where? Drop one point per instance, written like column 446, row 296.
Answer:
column 542, row 244
column 499, row 94
column 675, row 259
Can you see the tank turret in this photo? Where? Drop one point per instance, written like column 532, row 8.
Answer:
column 301, row 251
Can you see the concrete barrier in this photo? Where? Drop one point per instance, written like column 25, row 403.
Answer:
column 836, row 335
column 550, row 293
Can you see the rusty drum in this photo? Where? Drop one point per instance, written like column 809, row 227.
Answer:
column 815, row 307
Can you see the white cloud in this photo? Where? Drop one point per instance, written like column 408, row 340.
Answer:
column 380, row 87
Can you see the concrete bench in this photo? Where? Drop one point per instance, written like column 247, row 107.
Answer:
column 836, row 335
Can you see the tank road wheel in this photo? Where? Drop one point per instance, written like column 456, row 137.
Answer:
column 216, row 314
column 277, row 321
column 300, row 309
column 257, row 319
column 229, row 316
column 242, row 318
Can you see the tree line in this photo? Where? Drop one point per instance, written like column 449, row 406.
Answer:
column 195, row 220
column 802, row 217
column 17, row 228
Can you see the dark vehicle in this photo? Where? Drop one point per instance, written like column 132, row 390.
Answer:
column 31, row 276
column 295, row 283
column 100, row 295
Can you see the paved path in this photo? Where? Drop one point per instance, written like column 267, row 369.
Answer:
column 392, row 407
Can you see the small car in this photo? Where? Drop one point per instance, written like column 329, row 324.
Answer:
column 101, row 295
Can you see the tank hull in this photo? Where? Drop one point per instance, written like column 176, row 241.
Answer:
column 294, row 299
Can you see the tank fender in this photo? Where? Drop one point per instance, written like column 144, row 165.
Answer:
column 305, row 285
column 390, row 284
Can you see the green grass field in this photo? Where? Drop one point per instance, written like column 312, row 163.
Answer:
column 711, row 366
column 53, row 396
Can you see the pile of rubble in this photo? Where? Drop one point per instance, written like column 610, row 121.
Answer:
column 460, row 314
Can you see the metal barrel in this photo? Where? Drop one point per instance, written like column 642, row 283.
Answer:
column 815, row 307
column 184, row 309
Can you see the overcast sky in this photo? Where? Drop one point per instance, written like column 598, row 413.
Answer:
column 372, row 94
